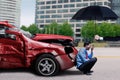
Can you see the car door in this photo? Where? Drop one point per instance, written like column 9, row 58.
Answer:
column 11, row 52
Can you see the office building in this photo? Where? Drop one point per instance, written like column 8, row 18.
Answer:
column 60, row 11
column 10, row 11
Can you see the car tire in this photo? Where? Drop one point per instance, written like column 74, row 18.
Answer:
column 47, row 65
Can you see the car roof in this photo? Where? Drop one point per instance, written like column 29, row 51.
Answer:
column 51, row 36
column 5, row 23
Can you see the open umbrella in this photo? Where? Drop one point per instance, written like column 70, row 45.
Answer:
column 95, row 13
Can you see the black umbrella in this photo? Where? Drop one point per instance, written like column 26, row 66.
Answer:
column 95, row 13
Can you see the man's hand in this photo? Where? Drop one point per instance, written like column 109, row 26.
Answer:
column 92, row 48
column 97, row 37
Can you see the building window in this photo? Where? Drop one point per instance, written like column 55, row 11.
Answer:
column 40, row 3
column 42, row 7
column 78, row 0
column 48, row 21
column 48, row 2
column 79, row 5
column 99, row 3
column 54, row 6
column 72, row 0
column 53, row 2
column 59, row 6
column 41, row 21
column 85, row 0
column 72, row 10
column 65, row 1
column 78, row 35
column 85, row 4
column 42, row 16
column 63, row 11
column 72, row 5
column 47, row 7
column 47, row 16
column 56, row 16
column 77, row 30
column 66, row 6
column 40, row 12
column 60, row 1
column 41, row 26
column 78, row 25
column 92, row 3
column 68, row 15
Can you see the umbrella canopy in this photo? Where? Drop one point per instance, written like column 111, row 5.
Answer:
column 95, row 13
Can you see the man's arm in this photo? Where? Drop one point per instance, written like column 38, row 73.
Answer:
column 97, row 37
column 82, row 55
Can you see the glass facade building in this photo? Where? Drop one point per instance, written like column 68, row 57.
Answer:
column 10, row 11
column 60, row 11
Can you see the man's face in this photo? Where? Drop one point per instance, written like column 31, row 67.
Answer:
column 88, row 47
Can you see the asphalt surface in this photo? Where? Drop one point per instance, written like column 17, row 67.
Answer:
column 106, row 68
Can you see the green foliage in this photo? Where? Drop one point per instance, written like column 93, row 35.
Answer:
column 52, row 28
column 33, row 29
column 104, row 29
column 117, row 29
column 66, row 29
column 24, row 28
column 88, row 31
column 62, row 29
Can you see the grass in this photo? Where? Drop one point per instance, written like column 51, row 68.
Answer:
column 96, row 44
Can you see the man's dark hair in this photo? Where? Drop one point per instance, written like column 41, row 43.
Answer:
column 86, row 43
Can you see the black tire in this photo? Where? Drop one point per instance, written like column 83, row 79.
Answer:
column 47, row 65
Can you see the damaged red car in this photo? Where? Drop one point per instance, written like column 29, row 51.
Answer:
column 46, row 56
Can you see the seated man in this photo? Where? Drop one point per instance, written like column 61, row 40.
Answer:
column 85, row 62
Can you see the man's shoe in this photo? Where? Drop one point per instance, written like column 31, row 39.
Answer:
column 90, row 71
column 87, row 73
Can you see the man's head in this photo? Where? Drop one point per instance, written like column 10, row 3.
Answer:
column 87, row 45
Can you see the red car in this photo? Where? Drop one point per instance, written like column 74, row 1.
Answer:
column 18, row 51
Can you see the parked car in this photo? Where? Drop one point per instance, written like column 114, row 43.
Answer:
column 19, row 51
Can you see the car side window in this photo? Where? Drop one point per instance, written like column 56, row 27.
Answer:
column 3, row 34
column 11, row 36
column 2, row 31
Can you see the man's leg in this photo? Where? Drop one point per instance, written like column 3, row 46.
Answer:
column 86, row 67
column 91, row 64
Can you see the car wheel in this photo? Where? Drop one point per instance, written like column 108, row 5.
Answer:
column 47, row 65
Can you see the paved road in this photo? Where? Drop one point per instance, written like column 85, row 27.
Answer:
column 107, row 68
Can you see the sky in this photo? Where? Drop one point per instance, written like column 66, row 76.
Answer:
column 27, row 12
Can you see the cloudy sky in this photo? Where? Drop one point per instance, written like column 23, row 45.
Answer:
column 27, row 12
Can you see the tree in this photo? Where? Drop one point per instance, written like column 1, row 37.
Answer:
column 62, row 29
column 33, row 29
column 52, row 28
column 24, row 28
column 66, row 29
column 89, row 30
column 117, row 29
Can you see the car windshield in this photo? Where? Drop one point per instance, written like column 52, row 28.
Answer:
column 26, row 33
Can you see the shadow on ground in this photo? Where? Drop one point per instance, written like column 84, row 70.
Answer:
column 69, row 72
column 30, row 71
